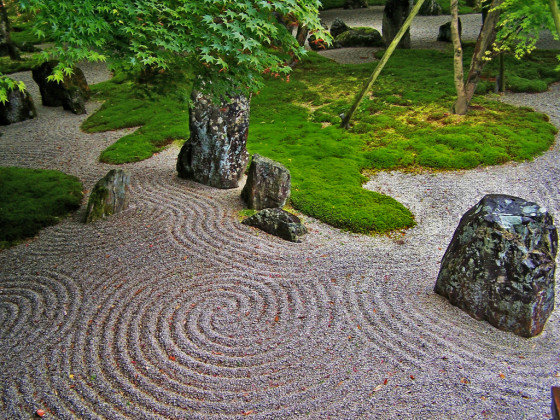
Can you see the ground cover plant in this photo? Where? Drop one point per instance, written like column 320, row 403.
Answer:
column 31, row 199
column 405, row 124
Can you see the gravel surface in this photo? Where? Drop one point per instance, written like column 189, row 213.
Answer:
column 174, row 310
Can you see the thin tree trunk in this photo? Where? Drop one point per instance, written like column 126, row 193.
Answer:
column 346, row 120
column 555, row 14
column 486, row 37
column 461, row 105
column 6, row 43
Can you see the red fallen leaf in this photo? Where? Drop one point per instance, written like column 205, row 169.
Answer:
column 502, row 375
column 276, row 318
column 385, row 381
column 412, row 377
column 40, row 412
column 465, row 381
column 172, row 358
column 247, row 413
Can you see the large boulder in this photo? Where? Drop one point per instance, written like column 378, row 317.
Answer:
column 394, row 15
column 500, row 264
column 268, row 184
column 279, row 223
column 430, row 8
column 444, row 34
column 71, row 93
column 216, row 152
column 109, row 196
column 338, row 26
column 359, row 37
column 355, row 4
column 19, row 107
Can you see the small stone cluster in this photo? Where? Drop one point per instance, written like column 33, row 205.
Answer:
column 267, row 189
column 72, row 94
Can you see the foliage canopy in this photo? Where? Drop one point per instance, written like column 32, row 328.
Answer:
column 227, row 43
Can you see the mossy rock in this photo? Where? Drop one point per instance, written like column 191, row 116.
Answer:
column 359, row 37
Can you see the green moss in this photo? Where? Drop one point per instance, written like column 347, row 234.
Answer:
column 31, row 199
column 159, row 110
column 404, row 124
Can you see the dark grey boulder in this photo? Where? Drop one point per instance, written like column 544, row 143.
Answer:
column 279, row 223
column 500, row 264
column 268, row 184
column 216, row 152
column 394, row 15
column 430, row 8
column 338, row 26
column 71, row 93
column 109, row 196
column 355, row 4
column 444, row 34
column 19, row 107
column 359, row 37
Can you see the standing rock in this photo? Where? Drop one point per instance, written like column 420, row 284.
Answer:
column 394, row 15
column 216, row 152
column 279, row 223
column 71, row 93
column 109, row 196
column 338, row 26
column 268, row 184
column 430, row 8
column 19, row 107
column 500, row 264
column 355, row 4
column 444, row 34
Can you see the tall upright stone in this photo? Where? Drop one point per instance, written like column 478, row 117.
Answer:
column 216, row 152
column 394, row 15
column 500, row 264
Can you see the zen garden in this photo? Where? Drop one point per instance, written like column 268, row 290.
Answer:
column 279, row 209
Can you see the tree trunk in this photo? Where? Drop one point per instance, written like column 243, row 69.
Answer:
column 404, row 28
column 461, row 105
column 555, row 14
column 216, row 153
column 394, row 14
column 486, row 37
column 7, row 47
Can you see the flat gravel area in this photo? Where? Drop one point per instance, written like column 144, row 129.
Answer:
column 175, row 310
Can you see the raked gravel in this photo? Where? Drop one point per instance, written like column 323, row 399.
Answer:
column 174, row 310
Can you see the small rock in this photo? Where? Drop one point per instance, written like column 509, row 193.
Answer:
column 268, row 184
column 20, row 107
column 445, row 32
column 338, row 26
column 109, row 196
column 359, row 37
column 279, row 223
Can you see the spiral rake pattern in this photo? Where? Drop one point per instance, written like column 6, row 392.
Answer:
column 174, row 310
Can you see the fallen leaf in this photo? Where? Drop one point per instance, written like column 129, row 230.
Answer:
column 385, row 381
column 502, row 375
column 465, row 381
column 40, row 412
column 172, row 358
column 276, row 318
column 247, row 413
column 377, row 388
column 412, row 377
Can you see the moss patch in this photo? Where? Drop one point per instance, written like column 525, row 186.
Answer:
column 31, row 199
